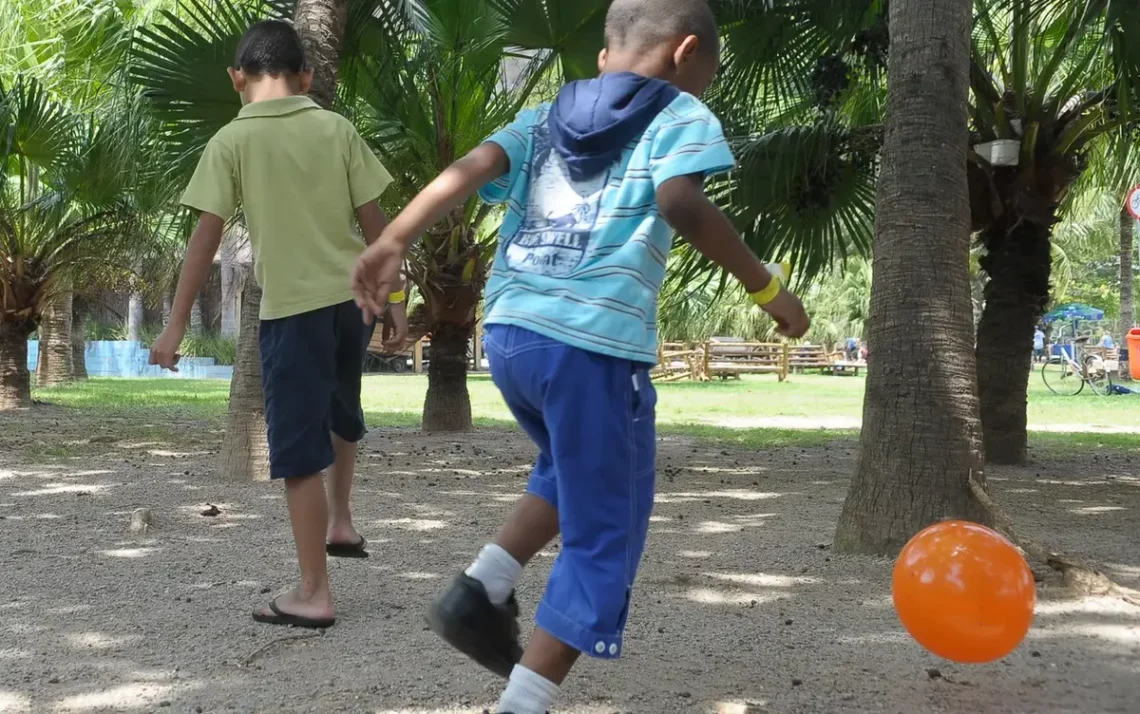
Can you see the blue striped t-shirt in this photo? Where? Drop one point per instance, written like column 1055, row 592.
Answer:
column 582, row 262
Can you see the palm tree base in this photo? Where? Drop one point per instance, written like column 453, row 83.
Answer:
column 55, row 366
column 15, row 380
column 1017, row 293
column 447, row 406
column 245, row 449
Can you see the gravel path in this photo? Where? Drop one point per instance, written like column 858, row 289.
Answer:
column 741, row 607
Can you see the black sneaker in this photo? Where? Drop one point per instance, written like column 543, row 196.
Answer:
column 464, row 616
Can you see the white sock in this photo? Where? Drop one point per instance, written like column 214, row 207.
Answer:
column 527, row 693
column 498, row 572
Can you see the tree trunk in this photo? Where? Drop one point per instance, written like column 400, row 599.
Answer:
column 54, row 367
column 1018, row 265
column 78, row 339
column 245, row 449
column 447, row 406
column 197, row 325
column 921, row 440
column 136, row 317
column 167, row 307
column 231, row 285
column 321, row 24
column 15, row 381
column 1127, row 280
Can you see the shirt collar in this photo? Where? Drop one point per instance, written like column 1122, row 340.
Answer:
column 277, row 107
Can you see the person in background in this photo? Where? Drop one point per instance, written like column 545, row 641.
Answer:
column 1038, row 344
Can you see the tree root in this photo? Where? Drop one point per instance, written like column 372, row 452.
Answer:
column 1078, row 576
column 248, row 659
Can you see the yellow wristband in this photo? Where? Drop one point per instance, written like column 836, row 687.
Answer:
column 768, row 294
column 397, row 297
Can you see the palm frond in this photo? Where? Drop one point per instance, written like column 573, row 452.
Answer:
column 572, row 31
column 180, row 64
column 804, row 194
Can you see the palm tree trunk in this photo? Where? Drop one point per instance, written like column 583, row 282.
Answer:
column 1018, row 265
column 921, row 433
column 1127, row 300
column 245, row 449
column 447, row 406
column 321, row 24
column 78, row 339
column 230, row 287
column 136, row 316
column 197, row 325
column 54, row 367
column 167, row 307
column 15, row 381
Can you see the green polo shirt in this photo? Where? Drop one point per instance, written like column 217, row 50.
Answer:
column 299, row 173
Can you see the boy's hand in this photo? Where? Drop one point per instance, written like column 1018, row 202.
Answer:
column 376, row 275
column 788, row 312
column 395, row 334
column 164, row 351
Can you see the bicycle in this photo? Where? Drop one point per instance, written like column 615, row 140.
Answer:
column 1067, row 373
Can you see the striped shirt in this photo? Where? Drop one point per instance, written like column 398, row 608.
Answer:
column 582, row 262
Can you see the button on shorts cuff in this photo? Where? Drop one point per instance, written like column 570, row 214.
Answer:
column 595, row 644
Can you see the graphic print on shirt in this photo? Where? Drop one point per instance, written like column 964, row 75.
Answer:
column 560, row 215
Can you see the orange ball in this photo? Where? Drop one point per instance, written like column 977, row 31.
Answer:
column 964, row 592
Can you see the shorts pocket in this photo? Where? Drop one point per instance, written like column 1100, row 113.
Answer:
column 644, row 423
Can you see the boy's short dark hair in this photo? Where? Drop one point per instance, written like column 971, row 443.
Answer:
column 644, row 23
column 270, row 47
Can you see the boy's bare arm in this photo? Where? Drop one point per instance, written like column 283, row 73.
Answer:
column 451, row 188
column 372, row 221
column 200, row 252
column 378, row 270
column 688, row 210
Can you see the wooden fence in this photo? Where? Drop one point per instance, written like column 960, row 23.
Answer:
column 729, row 358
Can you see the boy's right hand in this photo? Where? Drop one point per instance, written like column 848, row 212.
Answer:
column 788, row 312
column 164, row 351
column 376, row 275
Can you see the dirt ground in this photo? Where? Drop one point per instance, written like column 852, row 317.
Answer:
column 741, row 606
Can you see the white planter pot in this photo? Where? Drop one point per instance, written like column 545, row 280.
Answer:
column 1003, row 152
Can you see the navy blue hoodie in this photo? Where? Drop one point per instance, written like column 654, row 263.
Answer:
column 593, row 120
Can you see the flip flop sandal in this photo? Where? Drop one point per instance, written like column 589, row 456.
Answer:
column 348, row 550
column 283, row 618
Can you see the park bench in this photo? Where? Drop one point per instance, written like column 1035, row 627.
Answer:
column 839, row 365
column 808, row 357
column 731, row 357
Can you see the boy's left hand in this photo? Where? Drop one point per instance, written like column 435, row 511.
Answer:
column 376, row 275
column 395, row 328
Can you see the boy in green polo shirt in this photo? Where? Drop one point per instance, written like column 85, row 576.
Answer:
column 304, row 179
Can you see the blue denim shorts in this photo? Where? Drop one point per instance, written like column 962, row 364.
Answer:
column 592, row 418
column 311, row 366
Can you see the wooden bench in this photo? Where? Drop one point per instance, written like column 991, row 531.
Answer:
column 726, row 357
column 677, row 361
column 807, row 357
column 840, row 366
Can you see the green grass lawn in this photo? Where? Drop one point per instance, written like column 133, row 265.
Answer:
column 686, row 408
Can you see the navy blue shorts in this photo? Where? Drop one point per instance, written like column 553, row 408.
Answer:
column 592, row 418
column 310, row 372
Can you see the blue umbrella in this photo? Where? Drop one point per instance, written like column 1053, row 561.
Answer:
column 1073, row 312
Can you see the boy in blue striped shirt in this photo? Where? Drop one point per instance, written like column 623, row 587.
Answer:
column 595, row 186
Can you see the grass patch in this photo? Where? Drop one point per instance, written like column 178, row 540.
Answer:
column 687, row 409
